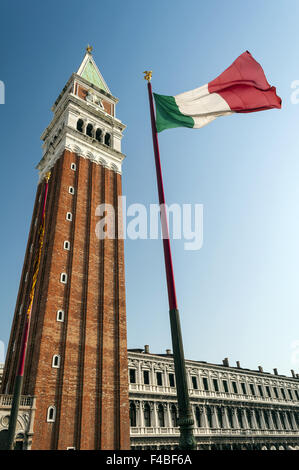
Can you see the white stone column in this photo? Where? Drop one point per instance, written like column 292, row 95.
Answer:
column 280, row 426
column 244, row 419
column 225, row 418
column 139, row 374
column 167, row 417
column 264, row 426
column 235, row 419
column 152, row 374
column 295, row 427
column 253, row 419
column 141, row 414
column 153, row 406
column 204, row 418
column 165, row 377
column 193, row 408
column 271, row 422
column 286, row 420
column 215, row 424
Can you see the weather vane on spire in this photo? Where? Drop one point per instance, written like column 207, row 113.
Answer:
column 89, row 49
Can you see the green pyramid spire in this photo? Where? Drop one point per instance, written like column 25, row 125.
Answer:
column 91, row 74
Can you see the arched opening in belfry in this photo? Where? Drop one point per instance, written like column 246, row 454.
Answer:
column 80, row 124
column 108, row 139
column 89, row 130
column 99, row 135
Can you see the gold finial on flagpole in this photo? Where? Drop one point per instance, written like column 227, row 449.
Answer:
column 89, row 49
column 48, row 176
column 148, row 75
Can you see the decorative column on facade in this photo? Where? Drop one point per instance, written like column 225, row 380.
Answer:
column 235, row 418
column 168, row 414
column 293, row 420
column 270, row 418
column 139, row 374
column 253, row 419
column 244, row 418
column 215, row 424
column 280, row 425
column 138, row 413
column 141, row 411
column 155, row 414
column 167, row 422
column 164, row 380
column 204, row 419
column 225, row 418
column 153, row 381
column 263, row 422
column 286, row 420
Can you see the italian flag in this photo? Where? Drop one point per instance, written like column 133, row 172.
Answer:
column 241, row 88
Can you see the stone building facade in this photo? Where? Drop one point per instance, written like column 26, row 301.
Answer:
column 233, row 408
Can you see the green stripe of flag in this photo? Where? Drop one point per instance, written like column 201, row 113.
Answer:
column 168, row 114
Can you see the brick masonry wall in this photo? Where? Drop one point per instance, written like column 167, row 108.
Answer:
column 90, row 389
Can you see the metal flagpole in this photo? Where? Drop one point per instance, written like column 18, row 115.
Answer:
column 186, row 422
column 21, row 364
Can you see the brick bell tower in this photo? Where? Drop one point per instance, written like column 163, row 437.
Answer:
column 76, row 362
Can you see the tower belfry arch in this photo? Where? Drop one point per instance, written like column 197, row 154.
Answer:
column 76, row 360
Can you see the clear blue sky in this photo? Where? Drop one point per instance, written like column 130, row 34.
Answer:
column 239, row 294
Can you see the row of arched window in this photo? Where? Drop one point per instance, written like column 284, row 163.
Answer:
column 256, row 418
column 147, row 415
column 240, row 422
column 97, row 134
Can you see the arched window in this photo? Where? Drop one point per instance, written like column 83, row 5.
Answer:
column 209, row 416
column 63, row 278
column 99, row 134
column 60, row 315
column 132, row 415
column 266, row 418
column 248, row 415
column 174, row 416
column 80, row 124
column 147, row 415
column 197, row 416
column 66, row 245
column 257, row 418
column 161, row 416
column 108, row 139
column 56, row 361
column 51, row 414
column 240, row 417
column 219, row 414
column 89, row 130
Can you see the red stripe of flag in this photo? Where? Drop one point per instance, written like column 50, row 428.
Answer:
column 244, row 86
